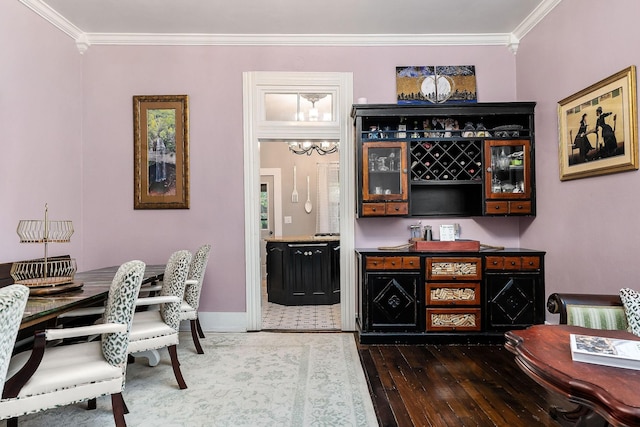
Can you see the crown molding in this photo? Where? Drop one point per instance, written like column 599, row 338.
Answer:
column 534, row 18
column 85, row 40
column 296, row 39
column 59, row 21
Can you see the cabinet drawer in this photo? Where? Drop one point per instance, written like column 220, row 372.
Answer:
column 448, row 294
column 373, row 209
column 520, row 207
column 513, row 263
column 411, row 263
column 454, row 269
column 393, row 263
column 509, row 207
column 397, row 208
column 453, row 319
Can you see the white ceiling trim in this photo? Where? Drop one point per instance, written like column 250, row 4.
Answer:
column 54, row 18
column 534, row 18
column 298, row 39
column 84, row 40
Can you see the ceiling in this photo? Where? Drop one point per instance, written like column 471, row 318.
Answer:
column 334, row 21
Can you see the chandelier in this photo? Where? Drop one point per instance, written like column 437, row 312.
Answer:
column 307, row 147
column 313, row 98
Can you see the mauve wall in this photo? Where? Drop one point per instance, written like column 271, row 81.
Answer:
column 589, row 226
column 40, row 128
column 212, row 77
column 68, row 140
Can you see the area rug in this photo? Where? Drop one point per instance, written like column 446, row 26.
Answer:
column 243, row 379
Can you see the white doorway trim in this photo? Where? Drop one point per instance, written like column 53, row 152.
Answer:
column 253, row 84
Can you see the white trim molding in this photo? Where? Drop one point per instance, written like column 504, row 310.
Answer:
column 85, row 40
column 254, row 84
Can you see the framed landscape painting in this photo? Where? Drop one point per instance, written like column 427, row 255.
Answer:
column 598, row 128
column 161, row 152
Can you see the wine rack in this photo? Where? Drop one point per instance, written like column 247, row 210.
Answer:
column 452, row 160
column 450, row 152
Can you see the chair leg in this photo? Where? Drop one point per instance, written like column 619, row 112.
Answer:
column 199, row 329
column 173, row 352
column 194, row 335
column 12, row 422
column 92, row 403
column 118, row 409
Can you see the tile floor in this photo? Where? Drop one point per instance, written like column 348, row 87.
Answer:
column 302, row 317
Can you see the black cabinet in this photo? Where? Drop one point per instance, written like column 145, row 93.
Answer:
column 301, row 273
column 393, row 301
column 448, row 297
column 449, row 159
column 514, row 300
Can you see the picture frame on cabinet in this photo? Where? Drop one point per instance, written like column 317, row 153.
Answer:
column 440, row 84
column 598, row 128
column 161, row 151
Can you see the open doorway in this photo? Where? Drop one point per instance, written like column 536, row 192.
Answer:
column 259, row 131
column 302, row 256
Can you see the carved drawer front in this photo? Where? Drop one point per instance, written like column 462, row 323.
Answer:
column 513, row 263
column 393, row 263
column 448, row 294
column 454, row 269
column 453, row 319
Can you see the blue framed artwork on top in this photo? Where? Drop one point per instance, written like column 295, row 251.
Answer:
column 436, row 84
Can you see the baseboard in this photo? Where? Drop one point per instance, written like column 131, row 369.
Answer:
column 220, row 322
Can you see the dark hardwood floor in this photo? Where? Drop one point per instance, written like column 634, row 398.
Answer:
column 453, row 385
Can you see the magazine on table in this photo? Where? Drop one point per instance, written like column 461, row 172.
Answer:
column 615, row 352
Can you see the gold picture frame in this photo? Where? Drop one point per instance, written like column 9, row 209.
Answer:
column 161, row 151
column 598, row 128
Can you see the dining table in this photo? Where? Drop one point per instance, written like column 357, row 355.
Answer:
column 87, row 289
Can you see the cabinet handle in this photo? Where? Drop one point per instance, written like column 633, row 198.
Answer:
column 397, row 208
column 497, row 207
column 519, row 207
column 495, row 262
column 373, row 209
column 530, row 262
column 513, row 263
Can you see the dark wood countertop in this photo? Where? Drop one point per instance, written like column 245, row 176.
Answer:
column 407, row 251
column 302, row 239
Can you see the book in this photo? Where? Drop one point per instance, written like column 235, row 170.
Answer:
column 615, row 352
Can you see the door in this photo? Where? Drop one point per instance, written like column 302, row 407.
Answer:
column 266, row 219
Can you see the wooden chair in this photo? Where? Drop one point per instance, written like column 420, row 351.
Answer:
column 155, row 329
column 49, row 377
column 189, row 306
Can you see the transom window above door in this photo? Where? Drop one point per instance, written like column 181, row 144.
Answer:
column 298, row 107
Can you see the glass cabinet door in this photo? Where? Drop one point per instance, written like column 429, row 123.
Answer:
column 384, row 171
column 508, row 169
